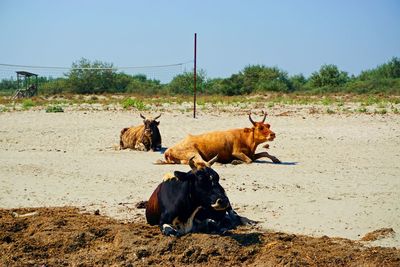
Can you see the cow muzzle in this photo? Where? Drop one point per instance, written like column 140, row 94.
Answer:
column 271, row 136
column 220, row 204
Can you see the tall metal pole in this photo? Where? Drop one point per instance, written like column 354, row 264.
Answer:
column 194, row 76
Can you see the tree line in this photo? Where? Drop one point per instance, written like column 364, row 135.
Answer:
column 86, row 77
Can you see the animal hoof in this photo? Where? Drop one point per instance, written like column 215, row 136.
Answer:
column 275, row 160
column 236, row 162
column 168, row 230
column 247, row 221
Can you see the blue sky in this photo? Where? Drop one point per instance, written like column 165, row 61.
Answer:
column 296, row 36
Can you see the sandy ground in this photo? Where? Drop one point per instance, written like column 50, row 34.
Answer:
column 340, row 174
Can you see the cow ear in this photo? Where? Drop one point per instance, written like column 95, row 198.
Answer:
column 182, row 176
column 157, row 123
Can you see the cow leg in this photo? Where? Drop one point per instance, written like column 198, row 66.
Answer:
column 140, row 146
column 155, row 148
column 177, row 228
column 242, row 157
column 172, row 158
column 236, row 219
column 185, row 227
column 167, row 228
column 267, row 155
column 207, row 226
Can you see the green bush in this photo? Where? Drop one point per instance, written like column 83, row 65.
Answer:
column 28, row 103
column 54, row 86
column 54, row 109
column 86, row 77
column 135, row 103
column 389, row 70
column 183, row 84
column 330, row 76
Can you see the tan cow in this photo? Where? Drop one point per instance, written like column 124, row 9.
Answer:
column 142, row 137
column 232, row 146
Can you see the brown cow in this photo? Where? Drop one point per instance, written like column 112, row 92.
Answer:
column 232, row 146
column 142, row 137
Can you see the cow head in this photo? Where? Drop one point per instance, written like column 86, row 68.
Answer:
column 262, row 130
column 206, row 190
column 151, row 131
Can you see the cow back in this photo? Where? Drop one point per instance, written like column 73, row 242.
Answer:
column 221, row 143
column 153, row 211
column 172, row 197
column 129, row 136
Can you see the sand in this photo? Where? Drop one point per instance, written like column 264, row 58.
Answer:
column 340, row 175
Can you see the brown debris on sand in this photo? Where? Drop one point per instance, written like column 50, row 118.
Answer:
column 378, row 234
column 66, row 237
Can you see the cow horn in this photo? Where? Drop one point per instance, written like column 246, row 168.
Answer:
column 157, row 117
column 265, row 115
column 251, row 120
column 212, row 161
column 192, row 164
column 143, row 117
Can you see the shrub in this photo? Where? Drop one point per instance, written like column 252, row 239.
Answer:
column 54, row 109
column 330, row 76
column 362, row 110
column 28, row 103
column 135, row 103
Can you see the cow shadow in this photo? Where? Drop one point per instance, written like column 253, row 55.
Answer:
column 288, row 163
column 246, row 239
column 162, row 150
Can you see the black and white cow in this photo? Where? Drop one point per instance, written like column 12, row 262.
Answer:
column 192, row 202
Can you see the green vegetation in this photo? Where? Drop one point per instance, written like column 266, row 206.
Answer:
column 330, row 111
column 54, row 109
column 98, row 77
column 28, row 103
column 381, row 111
column 329, row 103
column 362, row 110
column 135, row 103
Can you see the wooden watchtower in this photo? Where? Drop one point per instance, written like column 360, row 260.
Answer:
column 27, row 84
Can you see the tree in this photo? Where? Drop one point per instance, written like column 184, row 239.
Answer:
column 389, row 70
column 8, row 85
column 214, row 86
column 139, row 84
column 54, row 86
column 298, row 82
column 234, row 85
column 183, row 83
column 88, row 78
column 261, row 78
column 329, row 75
